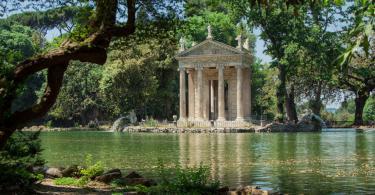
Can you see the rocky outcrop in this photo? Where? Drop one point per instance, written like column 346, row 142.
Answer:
column 133, row 178
column 308, row 123
column 53, row 172
column 121, row 123
column 71, row 171
column 133, row 174
column 109, row 176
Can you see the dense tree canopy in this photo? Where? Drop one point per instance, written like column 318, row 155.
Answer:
column 89, row 44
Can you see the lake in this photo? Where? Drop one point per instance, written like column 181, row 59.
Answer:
column 332, row 161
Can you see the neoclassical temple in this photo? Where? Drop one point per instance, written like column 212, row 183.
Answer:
column 215, row 83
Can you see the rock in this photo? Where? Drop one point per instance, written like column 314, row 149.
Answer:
column 70, row 171
column 39, row 169
column 308, row 123
column 113, row 171
column 120, row 124
column 138, row 181
column 93, row 124
column 53, row 172
column 132, row 117
column 223, row 190
column 109, row 176
column 133, row 174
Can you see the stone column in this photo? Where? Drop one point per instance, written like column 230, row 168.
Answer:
column 199, row 102
column 240, row 113
column 221, row 102
column 212, row 95
column 191, row 93
column 182, row 94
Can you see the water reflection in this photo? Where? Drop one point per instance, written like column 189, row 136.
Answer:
column 309, row 163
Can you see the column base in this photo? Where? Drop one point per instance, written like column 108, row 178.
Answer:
column 182, row 120
column 221, row 119
column 240, row 119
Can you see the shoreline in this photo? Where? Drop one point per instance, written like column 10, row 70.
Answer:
column 143, row 129
column 131, row 182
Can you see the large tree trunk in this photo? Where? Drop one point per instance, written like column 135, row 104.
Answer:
column 316, row 103
column 290, row 106
column 360, row 101
column 281, row 92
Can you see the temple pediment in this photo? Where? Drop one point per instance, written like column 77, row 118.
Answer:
column 208, row 48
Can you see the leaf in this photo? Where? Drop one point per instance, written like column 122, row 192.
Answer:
column 366, row 45
column 338, row 2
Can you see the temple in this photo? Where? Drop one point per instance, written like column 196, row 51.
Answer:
column 215, row 83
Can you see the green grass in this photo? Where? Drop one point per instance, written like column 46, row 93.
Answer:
column 66, row 181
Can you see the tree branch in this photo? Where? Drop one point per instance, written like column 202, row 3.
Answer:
column 93, row 49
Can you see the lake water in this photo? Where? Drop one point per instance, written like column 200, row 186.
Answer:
column 333, row 161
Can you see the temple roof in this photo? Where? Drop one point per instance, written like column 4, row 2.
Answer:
column 211, row 47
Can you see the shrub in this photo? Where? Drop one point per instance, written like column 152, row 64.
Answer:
column 92, row 169
column 90, row 172
column 20, row 154
column 193, row 180
column 151, row 123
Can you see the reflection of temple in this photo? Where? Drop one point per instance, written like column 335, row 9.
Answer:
column 218, row 83
column 227, row 155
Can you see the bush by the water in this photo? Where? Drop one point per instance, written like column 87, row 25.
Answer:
column 191, row 180
column 20, row 154
column 88, row 173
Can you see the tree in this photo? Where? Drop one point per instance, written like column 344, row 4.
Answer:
column 90, row 46
column 79, row 99
column 279, row 26
column 263, row 91
column 18, row 43
column 141, row 75
column 369, row 110
column 359, row 78
column 313, row 54
column 356, row 68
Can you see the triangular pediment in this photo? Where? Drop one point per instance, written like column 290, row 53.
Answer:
column 210, row 47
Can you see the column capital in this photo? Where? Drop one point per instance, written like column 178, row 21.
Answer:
column 199, row 67
column 190, row 70
column 181, row 69
column 220, row 66
column 239, row 66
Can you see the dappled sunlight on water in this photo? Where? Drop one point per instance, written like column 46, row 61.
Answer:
column 330, row 161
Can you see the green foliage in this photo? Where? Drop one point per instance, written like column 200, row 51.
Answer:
column 70, row 181
column 141, row 76
column 67, row 181
column 151, row 123
column 88, row 173
column 194, row 180
column 79, row 98
column 223, row 28
column 360, row 32
column 369, row 110
column 347, row 110
column 21, row 152
column 92, row 169
column 262, row 87
column 17, row 43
